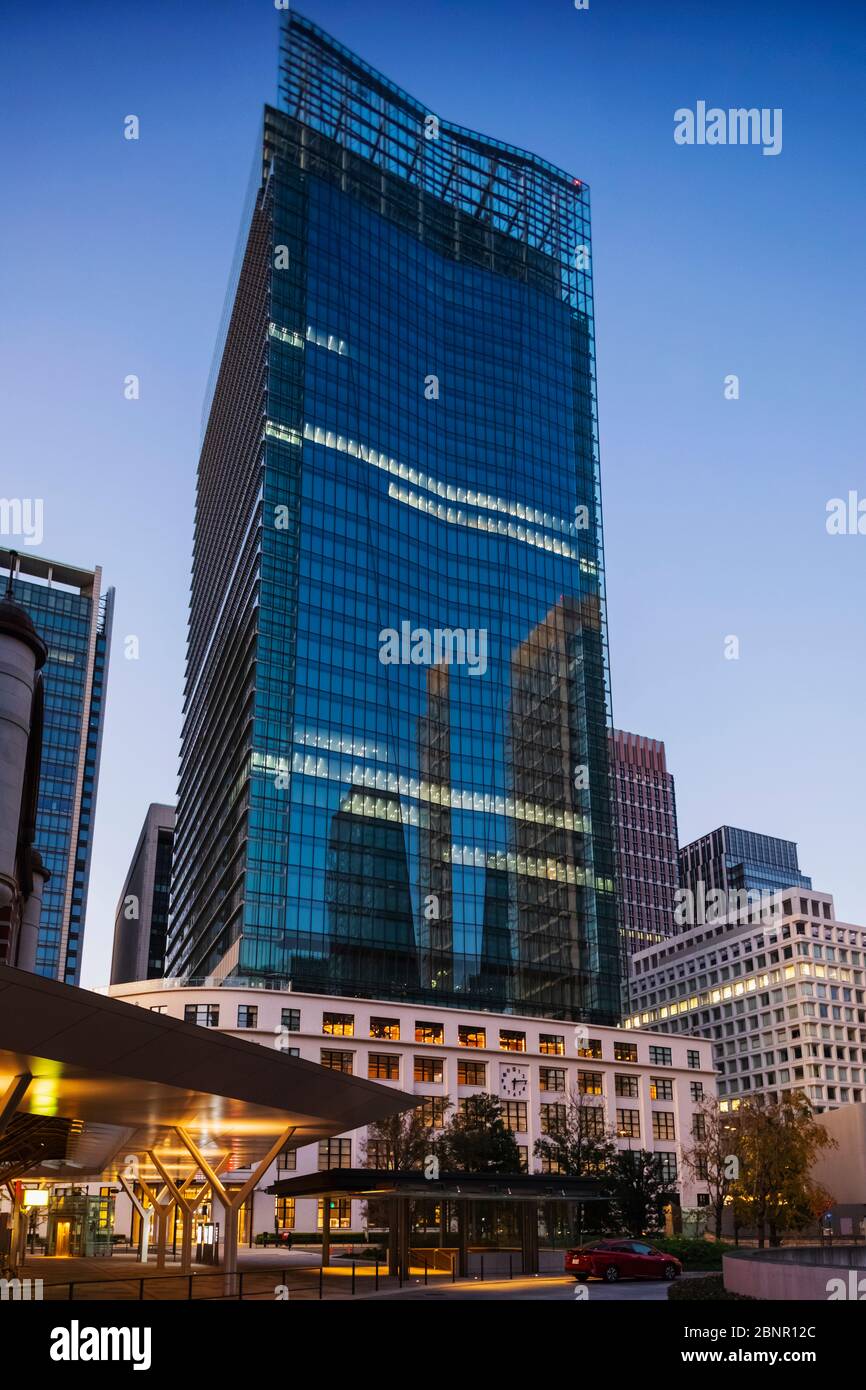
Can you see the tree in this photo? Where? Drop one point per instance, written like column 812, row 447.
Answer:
column 476, row 1140
column 714, row 1158
column 580, row 1147
column 401, row 1143
column 779, row 1143
column 635, row 1188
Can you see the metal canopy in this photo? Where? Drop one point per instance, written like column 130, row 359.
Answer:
column 130, row 1077
column 383, row 1183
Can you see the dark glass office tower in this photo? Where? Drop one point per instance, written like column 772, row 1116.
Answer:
column 74, row 619
column 645, row 813
column 734, row 860
column 141, row 919
column 394, row 774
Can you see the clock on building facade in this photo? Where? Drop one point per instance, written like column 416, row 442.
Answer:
column 513, row 1082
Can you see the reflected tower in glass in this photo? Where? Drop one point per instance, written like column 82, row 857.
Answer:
column 394, row 774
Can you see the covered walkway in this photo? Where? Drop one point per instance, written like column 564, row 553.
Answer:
column 453, row 1193
column 96, row 1090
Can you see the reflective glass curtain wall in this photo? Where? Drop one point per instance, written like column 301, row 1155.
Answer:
column 74, row 620
column 395, row 778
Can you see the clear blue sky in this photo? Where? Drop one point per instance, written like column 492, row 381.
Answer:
column 708, row 261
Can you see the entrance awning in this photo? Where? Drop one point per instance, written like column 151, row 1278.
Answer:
column 374, row 1183
column 129, row 1078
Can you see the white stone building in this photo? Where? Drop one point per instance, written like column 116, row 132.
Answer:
column 647, row 1087
column 782, row 996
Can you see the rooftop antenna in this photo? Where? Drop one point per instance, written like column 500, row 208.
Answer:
column 13, row 566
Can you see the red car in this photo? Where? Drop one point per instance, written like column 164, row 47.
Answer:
column 621, row 1259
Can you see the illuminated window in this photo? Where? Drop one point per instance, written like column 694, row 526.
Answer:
column 628, row 1124
column 551, row 1044
column 340, row 1212
column 383, row 1066
column 589, row 1083
column 468, row 1036
column 661, row 1088
column 385, row 1028
column 591, row 1049
column 429, row 1033
column 663, row 1124
column 337, row 1061
column 284, row 1212
column 550, row 1165
column 338, row 1025
column 433, row 1111
column 625, row 1052
column 428, row 1069
column 510, row 1041
column 471, row 1073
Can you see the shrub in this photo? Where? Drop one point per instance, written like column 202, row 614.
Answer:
column 695, row 1254
column 710, row 1288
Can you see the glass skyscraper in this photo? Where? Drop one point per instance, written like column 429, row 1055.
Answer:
column 737, row 860
column 73, row 617
column 395, row 770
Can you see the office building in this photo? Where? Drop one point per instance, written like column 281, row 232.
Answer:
column 645, row 812
column 782, row 994
column 737, row 861
column 73, row 617
column 394, row 772
column 23, row 875
column 141, row 920
column 642, row 1089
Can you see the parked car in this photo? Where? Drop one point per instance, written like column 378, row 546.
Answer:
column 621, row 1259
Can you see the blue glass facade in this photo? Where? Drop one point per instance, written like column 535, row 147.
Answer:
column 395, row 777
column 74, row 621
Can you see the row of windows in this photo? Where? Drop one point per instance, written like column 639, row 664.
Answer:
column 468, row 1035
